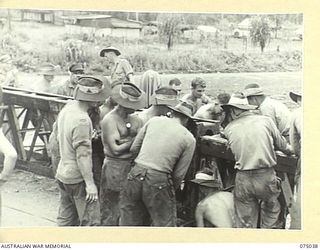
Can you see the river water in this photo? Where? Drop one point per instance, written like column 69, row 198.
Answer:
column 275, row 84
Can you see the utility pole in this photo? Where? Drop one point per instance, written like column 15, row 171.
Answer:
column 9, row 21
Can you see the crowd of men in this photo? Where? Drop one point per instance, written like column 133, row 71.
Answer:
column 147, row 148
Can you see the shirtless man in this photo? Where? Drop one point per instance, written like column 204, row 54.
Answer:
column 197, row 96
column 119, row 128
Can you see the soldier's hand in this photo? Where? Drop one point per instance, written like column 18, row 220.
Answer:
column 92, row 193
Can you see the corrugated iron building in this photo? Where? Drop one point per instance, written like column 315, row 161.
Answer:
column 103, row 25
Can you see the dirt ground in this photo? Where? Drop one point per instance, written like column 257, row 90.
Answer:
column 29, row 200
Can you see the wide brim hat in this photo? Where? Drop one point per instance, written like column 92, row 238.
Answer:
column 238, row 101
column 165, row 96
column 110, row 49
column 48, row 69
column 183, row 108
column 76, row 67
column 98, row 93
column 253, row 92
column 294, row 95
column 206, row 180
column 129, row 95
column 156, row 100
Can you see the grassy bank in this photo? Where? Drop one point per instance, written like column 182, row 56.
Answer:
column 32, row 44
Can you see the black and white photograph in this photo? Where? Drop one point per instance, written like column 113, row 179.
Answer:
column 151, row 119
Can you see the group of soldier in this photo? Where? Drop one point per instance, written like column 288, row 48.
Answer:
column 141, row 170
column 147, row 149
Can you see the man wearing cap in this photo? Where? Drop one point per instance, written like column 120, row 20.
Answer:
column 67, row 88
column 253, row 140
column 79, row 203
column 48, row 71
column 122, row 70
column 163, row 158
column 295, row 141
column 163, row 97
column 119, row 128
column 197, row 96
column 274, row 109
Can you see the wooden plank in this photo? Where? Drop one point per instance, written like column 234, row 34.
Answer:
column 35, row 136
column 25, row 123
column 14, row 125
column 36, row 167
column 30, row 102
column 32, row 99
column 216, row 148
column 7, row 89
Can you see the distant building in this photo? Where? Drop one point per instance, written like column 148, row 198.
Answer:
column 102, row 25
column 41, row 16
column 291, row 31
column 243, row 28
column 201, row 32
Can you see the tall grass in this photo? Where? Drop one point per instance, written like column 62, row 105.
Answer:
column 144, row 55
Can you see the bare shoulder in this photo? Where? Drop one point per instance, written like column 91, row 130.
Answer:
column 185, row 97
column 109, row 119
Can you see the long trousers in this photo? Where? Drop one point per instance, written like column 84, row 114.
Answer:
column 148, row 197
column 74, row 210
column 251, row 188
column 296, row 206
column 114, row 172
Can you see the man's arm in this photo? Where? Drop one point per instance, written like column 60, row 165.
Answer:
column 137, row 143
column 280, row 142
column 206, row 99
column 10, row 157
column 127, row 68
column 81, row 142
column 183, row 164
column 111, row 137
column 295, row 133
column 53, row 148
column 270, row 112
